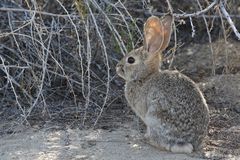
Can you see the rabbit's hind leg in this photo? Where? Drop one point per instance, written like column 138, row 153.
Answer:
column 153, row 139
column 160, row 146
column 147, row 134
column 181, row 148
column 176, row 148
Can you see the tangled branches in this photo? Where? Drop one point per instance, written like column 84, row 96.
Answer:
column 59, row 62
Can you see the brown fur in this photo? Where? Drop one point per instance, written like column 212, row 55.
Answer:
column 169, row 103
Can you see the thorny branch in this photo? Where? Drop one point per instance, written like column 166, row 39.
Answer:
column 200, row 14
column 227, row 16
column 197, row 14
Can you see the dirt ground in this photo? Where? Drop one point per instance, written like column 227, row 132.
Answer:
column 46, row 144
column 52, row 143
column 119, row 135
column 120, row 144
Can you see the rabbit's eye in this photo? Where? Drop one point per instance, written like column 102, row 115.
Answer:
column 130, row 60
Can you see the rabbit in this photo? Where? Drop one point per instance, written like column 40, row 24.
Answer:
column 169, row 103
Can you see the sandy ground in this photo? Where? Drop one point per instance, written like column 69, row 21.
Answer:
column 120, row 144
column 53, row 144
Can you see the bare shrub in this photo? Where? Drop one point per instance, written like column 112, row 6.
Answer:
column 57, row 57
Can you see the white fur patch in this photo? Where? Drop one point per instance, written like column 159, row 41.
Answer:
column 186, row 148
column 147, row 134
column 151, row 121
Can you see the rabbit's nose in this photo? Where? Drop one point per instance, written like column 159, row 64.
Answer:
column 119, row 67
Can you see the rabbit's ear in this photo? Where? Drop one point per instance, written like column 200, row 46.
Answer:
column 167, row 23
column 157, row 33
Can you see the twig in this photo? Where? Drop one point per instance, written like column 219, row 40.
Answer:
column 38, row 12
column 215, row 2
column 227, row 16
column 118, row 37
column 10, row 80
column 107, row 63
column 184, row 15
column 126, row 24
column 193, row 28
column 131, row 18
column 210, row 40
column 225, row 41
column 175, row 35
column 89, row 60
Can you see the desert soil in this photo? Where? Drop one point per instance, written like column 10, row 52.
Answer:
column 120, row 144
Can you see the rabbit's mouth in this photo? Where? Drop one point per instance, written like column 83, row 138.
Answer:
column 120, row 71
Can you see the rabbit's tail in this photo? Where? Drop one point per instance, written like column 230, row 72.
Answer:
column 181, row 148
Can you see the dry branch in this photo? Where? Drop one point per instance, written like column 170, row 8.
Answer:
column 227, row 16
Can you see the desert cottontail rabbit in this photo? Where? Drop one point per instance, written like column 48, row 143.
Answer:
column 169, row 103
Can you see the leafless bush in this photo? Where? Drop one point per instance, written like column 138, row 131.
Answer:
column 64, row 52
column 57, row 54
